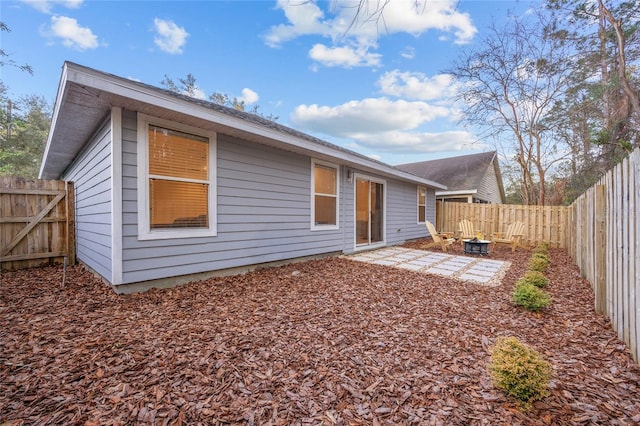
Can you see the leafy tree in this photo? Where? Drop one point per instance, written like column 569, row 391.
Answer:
column 24, row 125
column 509, row 84
column 188, row 86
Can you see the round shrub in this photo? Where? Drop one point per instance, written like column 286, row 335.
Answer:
column 542, row 248
column 519, row 371
column 536, row 278
column 538, row 263
column 530, row 297
column 541, row 256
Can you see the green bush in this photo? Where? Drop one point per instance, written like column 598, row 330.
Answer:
column 539, row 263
column 530, row 297
column 542, row 248
column 541, row 256
column 519, row 371
column 534, row 277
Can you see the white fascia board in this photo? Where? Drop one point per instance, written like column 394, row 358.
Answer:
column 460, row 192
column 118, row 86
column 54, row 118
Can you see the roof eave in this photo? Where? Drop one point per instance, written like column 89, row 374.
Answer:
column 54, row 120
column 118, row 86
column 457, row 192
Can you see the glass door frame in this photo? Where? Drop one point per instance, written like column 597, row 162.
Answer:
column 383, row 224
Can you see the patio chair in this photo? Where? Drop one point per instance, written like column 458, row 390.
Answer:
column 465, row 230
column 442, row 239
column 513, row 236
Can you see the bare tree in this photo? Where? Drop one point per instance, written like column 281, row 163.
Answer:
column 632, row 93
column 5, row 59
column 598, row 117
column 508, row 86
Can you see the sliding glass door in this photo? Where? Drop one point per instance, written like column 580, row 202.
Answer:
column 369, row 212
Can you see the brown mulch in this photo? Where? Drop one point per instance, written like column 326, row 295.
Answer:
column 329, row 341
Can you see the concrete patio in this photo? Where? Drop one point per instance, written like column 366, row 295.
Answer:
column 479, row 270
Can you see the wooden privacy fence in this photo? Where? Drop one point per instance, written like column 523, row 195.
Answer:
column 36, row 222
column 606, row 247
column 550, row 224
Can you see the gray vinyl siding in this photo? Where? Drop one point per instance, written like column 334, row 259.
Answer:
column 401, row 210
column 263, row 214
column 91, row 174
column 347, row 213
column 488, row 189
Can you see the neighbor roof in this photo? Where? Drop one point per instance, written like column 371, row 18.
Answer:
column 86, row 96
column 462, row 173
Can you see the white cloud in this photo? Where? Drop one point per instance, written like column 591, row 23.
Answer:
column 249, row 96
column 343, row 56
column 304, row 18
column 408, row 52
column 368, row 116
column 198, row 93
column 418, row 142
column 72, row 34
column 413, row 17
column 382, row 125
column 45, row 6
column 415, row 85
column 170, row 37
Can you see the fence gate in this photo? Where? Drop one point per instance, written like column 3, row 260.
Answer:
column 36, row 223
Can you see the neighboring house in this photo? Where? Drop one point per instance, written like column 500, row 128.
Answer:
column 471, row 178
column 170, row 188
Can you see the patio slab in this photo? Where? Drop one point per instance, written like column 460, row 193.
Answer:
column 487, row 272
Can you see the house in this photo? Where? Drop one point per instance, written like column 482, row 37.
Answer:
column 169, row 188
column 471, row 178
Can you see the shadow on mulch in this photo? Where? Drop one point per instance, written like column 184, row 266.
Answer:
column 328, row 341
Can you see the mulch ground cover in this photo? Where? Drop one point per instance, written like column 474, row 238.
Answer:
column 328, row 341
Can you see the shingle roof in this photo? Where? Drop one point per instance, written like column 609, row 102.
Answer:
column 458, row 173
column 86, row 96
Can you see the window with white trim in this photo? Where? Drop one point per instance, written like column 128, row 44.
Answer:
column 422, row 204
column 324, row 195
column 176, row 180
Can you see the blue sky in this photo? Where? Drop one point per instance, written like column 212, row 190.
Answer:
column 380, row 90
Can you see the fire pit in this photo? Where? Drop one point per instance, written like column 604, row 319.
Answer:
column 476, row 246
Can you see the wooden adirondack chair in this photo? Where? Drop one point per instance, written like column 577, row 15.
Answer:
column 513, row 236
column 442, row 239
column 465, row 230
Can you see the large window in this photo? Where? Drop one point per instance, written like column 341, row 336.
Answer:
column 324, row 200
column 422, row 204
column 178, row 186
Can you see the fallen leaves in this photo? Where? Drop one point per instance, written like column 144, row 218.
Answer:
column 322, row 342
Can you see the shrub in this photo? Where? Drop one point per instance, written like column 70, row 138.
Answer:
column 541, row 256
column 530, row 297
column 519, row 371
column 542, row 248
column 536, row 278
column 538, row 263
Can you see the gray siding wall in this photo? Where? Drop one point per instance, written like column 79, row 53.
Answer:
column 401, row 209
column 263, row 202
column 488, row 189
column 91, row 174
column 347, row 209
column 402, row 212
column 263, row 213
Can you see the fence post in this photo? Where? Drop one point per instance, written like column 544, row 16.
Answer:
column 71, row 222
column 600, row 250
